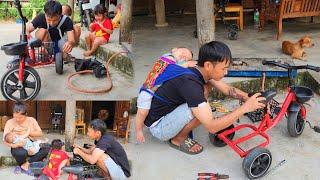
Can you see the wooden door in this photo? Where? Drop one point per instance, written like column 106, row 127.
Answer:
column 87, row 106
column 44, row 110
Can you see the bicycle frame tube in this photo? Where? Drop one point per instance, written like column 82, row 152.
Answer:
column 21, row 69
column 267, row 123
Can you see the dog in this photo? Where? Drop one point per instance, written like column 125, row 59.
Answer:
column 296, row 50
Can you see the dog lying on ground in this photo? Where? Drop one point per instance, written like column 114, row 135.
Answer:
column 295, row 50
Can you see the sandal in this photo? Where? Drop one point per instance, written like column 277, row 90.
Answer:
column 17, row 170
column 186, row 146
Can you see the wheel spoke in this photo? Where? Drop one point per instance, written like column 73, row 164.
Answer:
column 10, row 89
column 31, row 85
column 23, row 94
column 255, row 170
column 26, row 75
column 13, row 78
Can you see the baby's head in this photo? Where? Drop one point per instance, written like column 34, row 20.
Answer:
column 66, row 10
column 182, row 53
column 9, row 138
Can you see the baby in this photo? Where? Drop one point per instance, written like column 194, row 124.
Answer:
column 31, row 146
column 180, row 56
column 66, row 10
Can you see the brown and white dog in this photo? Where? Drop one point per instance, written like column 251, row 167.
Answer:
column 295, row 50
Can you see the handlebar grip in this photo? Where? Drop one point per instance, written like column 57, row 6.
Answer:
column 314, row 68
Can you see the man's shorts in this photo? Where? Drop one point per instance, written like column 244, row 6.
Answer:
column 114, row 169
column 171, row 124
column 144, row 100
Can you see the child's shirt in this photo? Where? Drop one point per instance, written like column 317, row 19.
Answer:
column 29, row 144
column 99, row 32
column 55, row 159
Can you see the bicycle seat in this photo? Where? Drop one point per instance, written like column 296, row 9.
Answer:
column 73, row 169
column 269, row 94
column 34, row 43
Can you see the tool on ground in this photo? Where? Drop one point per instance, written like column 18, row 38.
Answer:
column 212, row 176
column 275, row 167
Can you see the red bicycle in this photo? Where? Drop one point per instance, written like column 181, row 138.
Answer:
column 21, row 81
column 258, row 159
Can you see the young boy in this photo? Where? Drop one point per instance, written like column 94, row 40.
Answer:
column 67, row 11
column 57, row 160
column 54, row 26
column 32, row 147
column 107, row 153
column 100, row 29
column 180, row 56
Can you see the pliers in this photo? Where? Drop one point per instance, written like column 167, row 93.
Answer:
column 212, row 176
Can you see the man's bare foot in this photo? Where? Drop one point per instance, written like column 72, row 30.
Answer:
column 87, row 53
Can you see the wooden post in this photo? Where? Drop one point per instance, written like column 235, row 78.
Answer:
column 71, row 4
column 160, row 13
column 205, row 21
column 125, row 21
column 70, row 124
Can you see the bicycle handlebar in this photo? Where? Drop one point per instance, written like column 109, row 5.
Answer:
column 290, row 67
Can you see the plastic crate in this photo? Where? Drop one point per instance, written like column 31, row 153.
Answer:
column 258, row 114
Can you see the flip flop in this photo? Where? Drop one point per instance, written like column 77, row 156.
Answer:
column 27, row 172
column 17, row 170
column 186, row 146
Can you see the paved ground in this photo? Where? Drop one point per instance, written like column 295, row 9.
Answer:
column 54, row 86
column 151, row 42
column 5, row 151
column 156, row 160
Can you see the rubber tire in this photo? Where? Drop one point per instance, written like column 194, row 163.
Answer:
column 293, row 117
column 217, row 142
column 88, row 18
column 59, row 63
column 31, row 71
column 251, row 157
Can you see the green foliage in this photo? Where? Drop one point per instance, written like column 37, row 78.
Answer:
column 27, row 9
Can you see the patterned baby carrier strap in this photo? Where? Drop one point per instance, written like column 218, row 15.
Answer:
column 58, row 27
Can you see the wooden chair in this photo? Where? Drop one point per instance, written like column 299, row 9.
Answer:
column 80, row 124
column 234, row 8
column 286, row 9
column 123, row 128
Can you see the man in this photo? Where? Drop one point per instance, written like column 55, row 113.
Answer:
column 22, row 125
column 179, row 105
column 107, row 153
column 54, row 26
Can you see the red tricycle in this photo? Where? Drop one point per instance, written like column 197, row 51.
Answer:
column 257, row 160
column 21, row 81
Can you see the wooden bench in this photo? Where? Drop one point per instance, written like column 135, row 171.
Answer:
column 287, row 9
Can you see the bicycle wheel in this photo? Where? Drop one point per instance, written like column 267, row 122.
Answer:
column 14, row 90
column 59, row 63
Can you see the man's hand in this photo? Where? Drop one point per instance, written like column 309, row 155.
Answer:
column 76, row 146
column 76, row 151
column 253, row 103
column 140, row 137
column 67, row 47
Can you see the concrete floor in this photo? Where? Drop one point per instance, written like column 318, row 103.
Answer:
column 150, row 42
column 53, row 86
column 157, row 160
